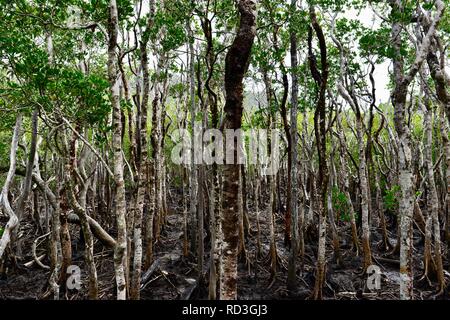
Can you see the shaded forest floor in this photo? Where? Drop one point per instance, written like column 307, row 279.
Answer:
column 174, row 277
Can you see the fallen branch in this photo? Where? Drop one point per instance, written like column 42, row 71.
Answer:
column 155, row 265
column 33, row 250
column 96, row 229
column 30, row 263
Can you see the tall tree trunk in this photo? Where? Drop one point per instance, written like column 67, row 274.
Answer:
column 271, row 208
column 321, row 79
column 120, row 207
column 193, row 183
column 291, row 280
column 402, row 81
column 142, row 163
column 349, row 96
column 215, row 201
column 236, row 64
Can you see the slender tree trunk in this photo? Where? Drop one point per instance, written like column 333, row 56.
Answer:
column 364, row 194
column 272, row 183
column 55, row 238
column 142, row 164
column 321, row 79
column 4, row 201
column 200, row 218
column 120, row 207
column 291, row 280
column 241, row 248
column 380, row 207
column 446, row 143
column 215, row 200
column 273, row 252
column 193, row 181
column 27, row 183
column 432, row 201
column 331, row 216
column 345, row 169
column 257, row 208
column 214, row 229
column 349, row 96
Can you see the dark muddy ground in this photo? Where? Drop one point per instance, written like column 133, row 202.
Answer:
column 175, row 277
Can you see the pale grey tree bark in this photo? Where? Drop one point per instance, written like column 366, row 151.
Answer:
column 402, row 81
column 142, row 163
column 193, row 179
column 4, row 201
column 120, row 202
